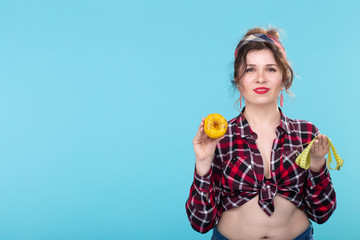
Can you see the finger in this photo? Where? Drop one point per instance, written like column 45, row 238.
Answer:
column 202, row 122
column 326, row 144
column 220, row 138
column 319, row 137
column 315, row 146
column 200, row 131
column 201, row 126
column 326, row 141
column 320, row 143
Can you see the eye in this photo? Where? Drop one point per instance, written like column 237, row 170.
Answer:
column 272, row 69
column 250, row 70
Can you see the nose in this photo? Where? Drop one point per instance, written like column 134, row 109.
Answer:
column 261, row 77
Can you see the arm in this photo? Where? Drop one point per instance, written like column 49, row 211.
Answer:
column 320, row 196
column 202, row 206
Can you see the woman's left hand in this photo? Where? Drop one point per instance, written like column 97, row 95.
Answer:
column 318, row 151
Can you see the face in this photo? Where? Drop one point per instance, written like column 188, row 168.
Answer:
column 262, row 82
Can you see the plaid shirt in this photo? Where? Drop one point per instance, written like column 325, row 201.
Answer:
column 237, row 175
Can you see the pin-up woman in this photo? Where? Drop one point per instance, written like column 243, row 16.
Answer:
column 246, row 183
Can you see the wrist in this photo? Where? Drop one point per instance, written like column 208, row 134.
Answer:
column 202, row 168
column 317, row 164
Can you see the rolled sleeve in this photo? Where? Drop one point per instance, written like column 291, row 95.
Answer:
column 203, row 185
column 319, row 180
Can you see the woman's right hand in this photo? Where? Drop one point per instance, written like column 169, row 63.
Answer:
column 204, row 147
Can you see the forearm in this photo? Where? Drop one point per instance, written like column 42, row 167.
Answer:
column 201, row 205
column 202, row 167
column 317, row 164
column 320, row 195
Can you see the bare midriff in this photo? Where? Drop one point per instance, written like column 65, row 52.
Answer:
column 250, row 222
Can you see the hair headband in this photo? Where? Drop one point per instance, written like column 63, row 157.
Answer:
column 260, row 37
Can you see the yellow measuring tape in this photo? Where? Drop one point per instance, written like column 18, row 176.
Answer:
column 303, row 160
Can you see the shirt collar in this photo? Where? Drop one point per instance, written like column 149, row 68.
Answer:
column 246, row 131
column 285, row 123
column 243, row 124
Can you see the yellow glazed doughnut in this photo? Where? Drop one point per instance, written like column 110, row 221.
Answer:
column 215, row 125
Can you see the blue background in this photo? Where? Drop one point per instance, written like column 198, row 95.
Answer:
column 100, row 101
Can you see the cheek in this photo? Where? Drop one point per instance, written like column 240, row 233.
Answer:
column 242, row 89
column 277, row 80
column 240, row 86
column 244, row 84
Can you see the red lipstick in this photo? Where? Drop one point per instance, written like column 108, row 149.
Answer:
column 261, row 90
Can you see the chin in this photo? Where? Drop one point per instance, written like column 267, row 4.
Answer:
column 263, row 104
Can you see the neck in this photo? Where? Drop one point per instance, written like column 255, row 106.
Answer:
column 262, row 116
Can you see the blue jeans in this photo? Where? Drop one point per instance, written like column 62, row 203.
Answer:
column 306, row 235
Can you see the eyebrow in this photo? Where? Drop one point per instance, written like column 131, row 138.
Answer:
column 271, row 64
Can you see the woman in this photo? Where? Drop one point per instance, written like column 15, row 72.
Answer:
column 247, row 184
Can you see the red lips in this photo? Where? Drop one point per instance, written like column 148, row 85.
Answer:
column 261, row 90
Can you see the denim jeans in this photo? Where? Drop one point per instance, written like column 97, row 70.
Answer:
column 306, row 235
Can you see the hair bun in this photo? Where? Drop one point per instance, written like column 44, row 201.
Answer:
column 273, row 33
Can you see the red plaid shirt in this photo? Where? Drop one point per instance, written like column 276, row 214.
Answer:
column 237, row 175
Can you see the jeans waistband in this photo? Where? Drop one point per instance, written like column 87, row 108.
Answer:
column 217, row 235
column 306, row 235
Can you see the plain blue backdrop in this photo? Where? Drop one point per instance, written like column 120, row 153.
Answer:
column 100, row 101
